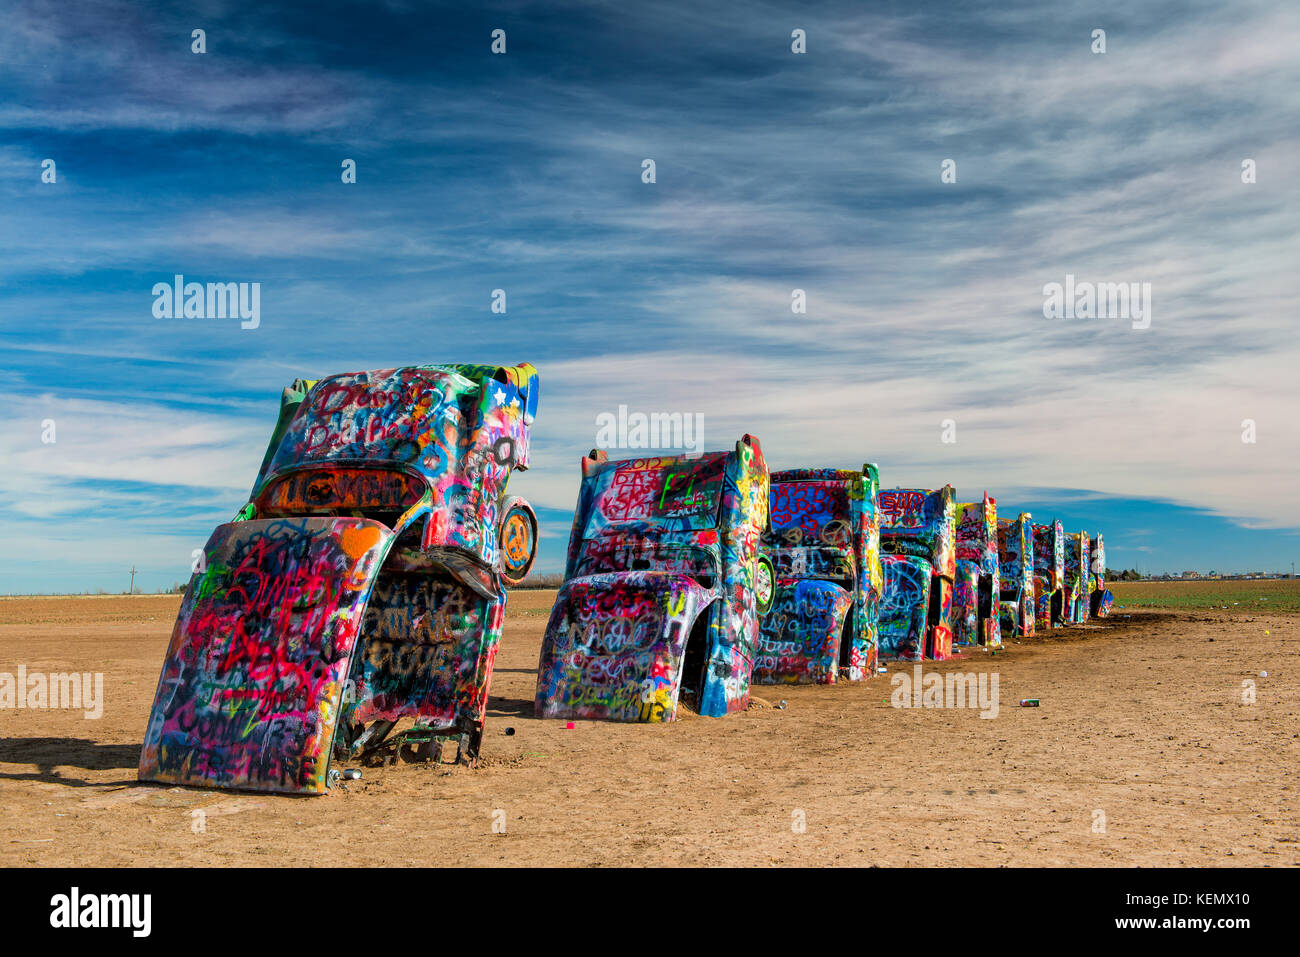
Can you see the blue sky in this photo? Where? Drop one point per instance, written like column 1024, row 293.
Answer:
column 774, row 171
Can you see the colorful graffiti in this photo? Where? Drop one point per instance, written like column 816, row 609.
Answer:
column 918, row 557
column 659, row 599
column 362, row 583
column 1101, row 598
column 252, row 682
column 799, row 638
column 824, row 544
column 617, row 645
column 518, row 540
column 977, row 592
column 1016, row 573
column 425, row 653
column 1077, row 598
column 1049, row 574
column 905, row 607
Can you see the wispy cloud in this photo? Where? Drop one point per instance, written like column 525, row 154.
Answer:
column 774, row 172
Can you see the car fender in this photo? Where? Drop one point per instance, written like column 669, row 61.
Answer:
column 799, row 638
column 615, row 646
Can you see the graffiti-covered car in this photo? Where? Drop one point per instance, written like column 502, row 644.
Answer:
column 1049, row 574
column 1016, row 558
column 1077, row 562
column 1102, row 598
column 977, row 592
column 824, row 543
column 918, row 557
column 363, row 583
column 664, row 585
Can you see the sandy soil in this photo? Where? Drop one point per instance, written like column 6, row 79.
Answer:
column 1142, row 719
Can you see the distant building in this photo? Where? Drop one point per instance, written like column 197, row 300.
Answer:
column 1192, row 574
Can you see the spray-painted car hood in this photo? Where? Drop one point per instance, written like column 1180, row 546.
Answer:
column 252, row 682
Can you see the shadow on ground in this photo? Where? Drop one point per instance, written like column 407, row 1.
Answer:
column 50, row 754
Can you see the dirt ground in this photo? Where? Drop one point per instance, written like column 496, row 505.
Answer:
column 1141, row 720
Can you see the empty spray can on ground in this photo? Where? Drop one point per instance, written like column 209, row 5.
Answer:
column 1029, row 702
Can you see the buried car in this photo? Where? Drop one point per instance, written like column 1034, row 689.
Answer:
column 824, row 544
column 1077, row 563
column 1016, row 558
column 362, row 584
column 1102, row 598
column 977, row 591
column 663, row 587
column 918, row 557
column 1049, row 574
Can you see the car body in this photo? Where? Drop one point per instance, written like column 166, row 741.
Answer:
column 1101, row 597
column 1049, row 574
column 918, row 558
column 1077, row 563
column 977, row 591
column 824, row 544
column 662, row 591
column 1016, row 574
column 362, row 583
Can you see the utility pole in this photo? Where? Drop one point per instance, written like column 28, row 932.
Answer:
column 132, row 589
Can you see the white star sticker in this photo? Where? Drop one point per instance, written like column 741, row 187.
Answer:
column 500, row 397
